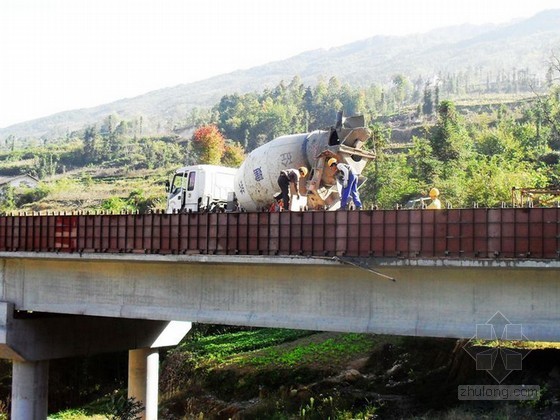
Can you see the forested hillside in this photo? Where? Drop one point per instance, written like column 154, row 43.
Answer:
column 457, row 61
column 473, row 152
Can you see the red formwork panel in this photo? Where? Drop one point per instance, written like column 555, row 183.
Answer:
column 4, row 237
column 263, row 232
column 200, row 220
column 284, row 232
column 330, row 246
column 19, row 232
column 480, row 233
column 226, row 239
column 242, row 233
column 507, row 248
column 82, row 233
column 122, row 235
column 364, row 235
column 340, row 242
column 22, row 233
column 537, row 232
column 427, row 233
column 211, row 233
column 273, row 233
column 171, row 235
column 522, row 233
column 308, row 231
column 388, row 234
column 47, row 232
column 124, row 241
column 175, row 231
column 222, row 233
column 550, row 233
column 27, row 233
column 97, row 233
column 440, row 233
column 352, row 233
column 147, row 233
column 114, row 233
column 402, row 232
column 494, row 232
column 454, row 233
column 317, row 233
column 377, row 232
column 191, row 234
column 253, row 233
column 14, row 224
column 231, row 232
column 65, row 233
column 467, row 232
column 415, row 232
column 295, row 231
column 184, row 231
column 136, row 224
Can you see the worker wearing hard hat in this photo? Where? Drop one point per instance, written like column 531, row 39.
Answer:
column 286, row 177
column 349, row 182
column 435, row 204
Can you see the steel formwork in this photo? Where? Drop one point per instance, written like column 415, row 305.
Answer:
column 454, row 233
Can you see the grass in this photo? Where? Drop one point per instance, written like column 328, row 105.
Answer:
column 322, row 352
column 263, row 348
column 220, row 348
column 510, row 344
column 76, row 415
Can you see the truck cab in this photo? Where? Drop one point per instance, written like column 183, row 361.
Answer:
column 200, row 188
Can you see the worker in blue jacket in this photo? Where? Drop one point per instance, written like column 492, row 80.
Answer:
column 349, row 182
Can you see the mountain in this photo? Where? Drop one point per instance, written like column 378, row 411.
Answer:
column 487, row 50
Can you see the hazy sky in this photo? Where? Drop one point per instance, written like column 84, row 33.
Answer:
column 57, row 55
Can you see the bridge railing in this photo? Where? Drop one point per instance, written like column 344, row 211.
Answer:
column 455, row 233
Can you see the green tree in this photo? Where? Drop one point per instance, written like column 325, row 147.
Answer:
column 449, row 137
column 90, row 143
column 233, row 155
column 401, row 88
column 428, row 102
column 425, row 168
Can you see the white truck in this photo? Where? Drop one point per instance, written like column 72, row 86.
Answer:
column 200, row 188
column 254, row 185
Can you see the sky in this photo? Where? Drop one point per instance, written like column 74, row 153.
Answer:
column 58, row 55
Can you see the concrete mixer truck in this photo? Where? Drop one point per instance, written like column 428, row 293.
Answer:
column 253, row 186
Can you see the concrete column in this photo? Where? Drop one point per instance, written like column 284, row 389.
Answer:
column 143, row 377
column 30, row 382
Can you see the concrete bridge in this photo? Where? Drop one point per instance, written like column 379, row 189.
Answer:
column 61, row 304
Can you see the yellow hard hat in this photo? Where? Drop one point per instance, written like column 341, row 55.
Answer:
column 303, row 171
column 434, row 192
column 331, row 162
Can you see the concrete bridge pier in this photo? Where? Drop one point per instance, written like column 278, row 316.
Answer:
column 143, row 377
column 30, row 340
column 30, row 384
